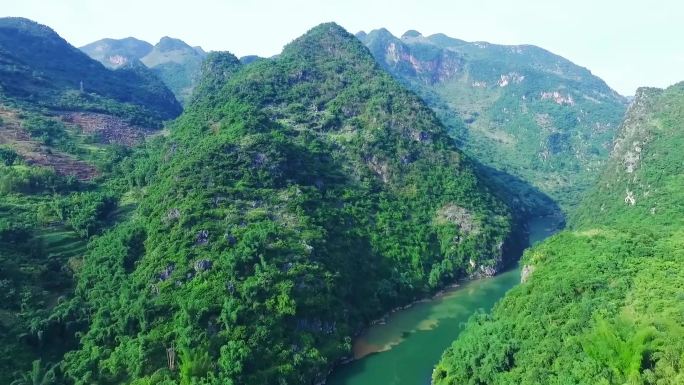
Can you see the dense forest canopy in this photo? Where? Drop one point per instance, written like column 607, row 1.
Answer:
column 600, row 303
column 518, row 109
column 247, row 236
column 294, row 201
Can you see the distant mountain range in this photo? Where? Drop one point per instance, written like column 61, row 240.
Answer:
column 38, row 67
column 519, row 109
column 175, row 62
column 295, row 199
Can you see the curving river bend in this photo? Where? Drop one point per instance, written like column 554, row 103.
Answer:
column 404, row 350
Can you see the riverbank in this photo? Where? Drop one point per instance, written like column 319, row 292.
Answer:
column 405, row 345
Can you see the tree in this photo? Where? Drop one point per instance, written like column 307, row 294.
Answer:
column 194, row 364
column 620, row 347
column 8, row 156
column 37, row 375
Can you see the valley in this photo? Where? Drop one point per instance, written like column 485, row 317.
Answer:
column 403, row 348
column 176, row 216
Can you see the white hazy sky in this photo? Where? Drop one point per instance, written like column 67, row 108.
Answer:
column 629, row 43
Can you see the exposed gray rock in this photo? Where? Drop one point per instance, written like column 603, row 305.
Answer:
column 526, row 273
column 459, row 216
column 173, row 214
column 166, row 273
column 487, row 271
column 203, row 265
column 202, row 237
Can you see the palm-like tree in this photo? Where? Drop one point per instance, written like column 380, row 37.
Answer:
column 37, row 375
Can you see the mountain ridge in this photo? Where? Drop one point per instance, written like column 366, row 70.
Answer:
column 40, row 67
column 329, row 194
column 520, row 109
column 598, row 303
column 175, row 62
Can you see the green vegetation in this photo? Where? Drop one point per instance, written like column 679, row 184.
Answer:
column 8, row 156
column 642, row 181
column 173, row 61
column 602, row 303
column 45, row 221
column 520, row 110
column 38, row 67
column 177, row 65
column 58, row 186
column 301, row 197
column 37, row 376
column 85, row 212
column 296, row 200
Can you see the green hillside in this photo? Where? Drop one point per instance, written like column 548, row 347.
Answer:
column 517, row 109
column 173, row 61
column 39, row 67
column 295, row 200
column 115, row 53
column 53, row 198
column 642, row 181
column 601, row 303
column 65, row 121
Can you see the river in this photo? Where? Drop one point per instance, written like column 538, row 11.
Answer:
column 404, row 350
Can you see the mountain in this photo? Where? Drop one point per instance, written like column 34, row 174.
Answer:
column 249, row 59
column 38, row 67
column 115, row 53
column 518, row 109
column 600, row 303
column 176, row 63
column 641, row 181
column 297, row 199
column 65, row 122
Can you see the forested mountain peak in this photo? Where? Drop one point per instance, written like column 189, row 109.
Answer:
column 412, row 33
column 115, row 53
column 217, row 64
column 519, row 109
column 216, row 69
column 295, row 200
column 39, row 67
column 169, row 49
column 167, row 43
column 328, row 40
column 28, row 27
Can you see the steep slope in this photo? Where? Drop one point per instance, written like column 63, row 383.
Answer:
column 518, row 109
column 65, row 122
column 39, row 67
column 642, row 181
column 600, row 304
column 52, row 199
column 297, row 199
column 176, row 63
column 115, row 53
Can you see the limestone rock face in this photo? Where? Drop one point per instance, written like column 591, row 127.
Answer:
column 643, row 173
column 526, row 273
column 176, row 63
column 517, row 108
